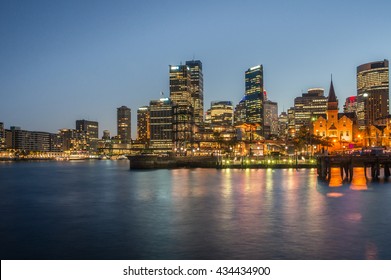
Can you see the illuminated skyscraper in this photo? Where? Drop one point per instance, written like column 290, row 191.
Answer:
column 309, row 105
column 197, row 89
column 254, row 97
column 270, row 118
column 183, row 111
column 143, row 133
column 124, row 124
column 221, row 114
column 160, row 123
column 372, row 94
column 91, row 129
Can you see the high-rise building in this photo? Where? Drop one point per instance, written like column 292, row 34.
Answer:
column 350, row 105
column 270, row 118
column 372, row 94
column 221, row 114
column 197, row 89
column 183, row 111
column 160, row 123
column 72, row 140
column 2, row 136
column 143, row 133
column 124, row 125
column 309, row 106
column 254, row 97
column 240, row 112
column 283, row 125
column 91, row 129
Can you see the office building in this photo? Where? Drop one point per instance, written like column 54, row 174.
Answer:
column 183, row 111
column 143, row 133
column 270, row 119
column 350, row 105
column 221, row 114
column 309, row 106
column 124, row 125
column 240, row 112
column 283, row 125
column 254, row 97
column 30, row 141
column 91, row 129
column 197, row 89
column 373, row 94
column 161, row 125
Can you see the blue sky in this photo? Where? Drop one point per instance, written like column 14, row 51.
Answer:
column 67, row 60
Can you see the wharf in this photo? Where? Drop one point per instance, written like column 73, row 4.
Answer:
column 166, row 162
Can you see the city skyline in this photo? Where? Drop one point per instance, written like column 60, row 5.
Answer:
column 68, row 61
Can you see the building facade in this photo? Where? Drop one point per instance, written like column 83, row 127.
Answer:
column 221, row 114
column 124, row 119
column 30, row 141
column 309, row 106
column 350, row 105
column 373, row 94
column 183, row 111
column 197, row 90
column 338, row 128
column 161, row 125
column 254, row 97
column 91, row 130
column 143, row 133
column 270, row 118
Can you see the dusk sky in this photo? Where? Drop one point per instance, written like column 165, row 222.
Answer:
column 66, row 60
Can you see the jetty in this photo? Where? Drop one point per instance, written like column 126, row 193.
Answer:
column 216, row 161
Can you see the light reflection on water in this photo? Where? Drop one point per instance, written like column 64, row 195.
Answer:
column 101, row 210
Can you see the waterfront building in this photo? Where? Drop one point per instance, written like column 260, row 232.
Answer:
column 283, row 125
column 254, row 97
column 221, row 114
column 72, row 140
column 91, row 130
column 308, row 107
column 197, row 90
column 161, row 125
column 124, row 125
column 337, row 127
column 183, row 111
column 30, row 141
column 350, row 105
column 270, row 118
column 373, row 94
column 143, row 132
column 2, row 137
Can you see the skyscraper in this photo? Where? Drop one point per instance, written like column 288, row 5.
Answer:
column 254, row 97
column 197, row 89
column 372, row 93
column 91, row 129
column 143, row 132
column 270, row 118
column 160, row 115
column 183, row 111
column 124, row 125
column 309, row 105
column 221, row 113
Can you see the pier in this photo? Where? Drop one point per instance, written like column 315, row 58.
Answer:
column 344, row 167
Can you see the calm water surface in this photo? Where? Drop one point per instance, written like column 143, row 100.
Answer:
column 102, row 210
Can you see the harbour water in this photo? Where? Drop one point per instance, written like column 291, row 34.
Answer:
column 102, row 210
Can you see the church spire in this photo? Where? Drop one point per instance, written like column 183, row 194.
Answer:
column 332, row 103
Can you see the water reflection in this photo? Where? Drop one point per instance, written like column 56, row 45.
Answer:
column 359, row 182
column 335, row 177
column 105, row 211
